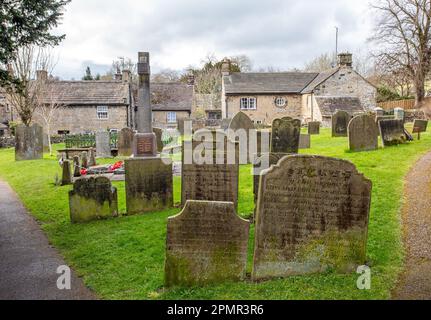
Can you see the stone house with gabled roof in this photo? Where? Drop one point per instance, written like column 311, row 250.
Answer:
column 305, row 96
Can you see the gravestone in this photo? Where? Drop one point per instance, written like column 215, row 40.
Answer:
column 28, row 142
column 103, row 145
column 399, row 114
column 92, row 199
column 392, row 132
column 45, row 143
column 363, row 134
column 340, row 123
column 159, row 134
column 314, row 127
column 144, row 145
column 125, row 142
column 304, row 141
column 285, row 135
column 66, row 176
column 148, row 185
column 84, row 160
column 267, row 136
column 92, row 158
column 312, row 216
column 76, row 167
column 206, row 244
column 241, row 124
column 180, row 126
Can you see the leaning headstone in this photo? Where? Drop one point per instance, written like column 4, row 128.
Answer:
column 92, row 158
column 76, row 167
column 66, row 177
column 103, row 145
column 92, row 199
column 148, row 185
column 340, row 123
column 125, row 140
column 312, row 216
column 285, row 135
column 304, row 141
column 28, row 142
column 206, row 244
column 420, row 126
column 392, row 132
column 314, row 127
column 363, row 133
column 84, row 160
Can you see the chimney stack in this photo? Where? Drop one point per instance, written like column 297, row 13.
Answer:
column 42, row 75
column 126, row 76
column 190, row 79
column 345, row 60
column 225, row 67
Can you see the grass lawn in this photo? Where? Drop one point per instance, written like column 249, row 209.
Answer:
column 123, row 258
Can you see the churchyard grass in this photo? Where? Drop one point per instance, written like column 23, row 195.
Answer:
column 123, row 258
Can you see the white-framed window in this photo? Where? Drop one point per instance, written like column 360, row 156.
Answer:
column 248, row 103
column 280, row 102
column 102, row 112
column 171, row 117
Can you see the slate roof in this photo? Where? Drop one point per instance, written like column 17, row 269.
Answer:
column 172, row 96
column 267, row 83
column 74, row 93
column 329, row 105
column 322, row 77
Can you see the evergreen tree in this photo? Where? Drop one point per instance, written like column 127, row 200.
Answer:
column 88, row 75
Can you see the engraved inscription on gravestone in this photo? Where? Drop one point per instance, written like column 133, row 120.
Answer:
column 206, row 243
column 312, row 216
column 144, row 145
column 285, row 135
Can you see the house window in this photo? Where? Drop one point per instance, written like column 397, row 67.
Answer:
column 248, row 104
column 280, row 102
column 102, row 112
column 171, row 117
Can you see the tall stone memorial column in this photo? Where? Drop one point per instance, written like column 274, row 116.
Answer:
column 149, row 185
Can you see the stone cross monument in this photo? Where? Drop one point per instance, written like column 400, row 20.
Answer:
column 144, row 144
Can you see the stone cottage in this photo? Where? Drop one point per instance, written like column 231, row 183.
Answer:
column 6, row 115
column 305, row 96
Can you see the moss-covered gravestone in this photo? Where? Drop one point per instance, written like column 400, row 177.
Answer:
column 206, row 243
column 392, row 132
column 340, row 123
column 285, row 135
column 149, row 185
column 92, row 199
column 312, row 216
column 363, row 133
column 66, row 176
column 29, row 142
column 314, row 127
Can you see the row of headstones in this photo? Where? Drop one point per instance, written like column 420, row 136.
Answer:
column 84, row 161
column 312, row 215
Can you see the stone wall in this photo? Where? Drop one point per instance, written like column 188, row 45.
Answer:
column 266, row 110
column 81, row 119
column 346, row 82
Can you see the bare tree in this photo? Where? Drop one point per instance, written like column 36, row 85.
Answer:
column 166, row 75
column 320, row 63
column 403, row 33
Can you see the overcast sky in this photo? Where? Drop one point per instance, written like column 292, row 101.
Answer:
column 282, row 34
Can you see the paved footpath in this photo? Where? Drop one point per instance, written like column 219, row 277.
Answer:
column 415, row 283
column 28, row 264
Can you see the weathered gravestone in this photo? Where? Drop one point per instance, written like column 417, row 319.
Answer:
column 304, row 141
column 206, row 243
column 340, row 123
column 212, row 180
column 76, row 167
column 92, row 158
column 92, row 199
column 285, row 135
column 103, row 145
column 363, row 133
column 125, row 142
column 66, row 176
column 159, row 141
column 28, row 142
column 392, row 132
column 420, row 126
column 314, row 127
column 240, row 128
column 84, row 159
column 312, row 216
column 148, row 185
